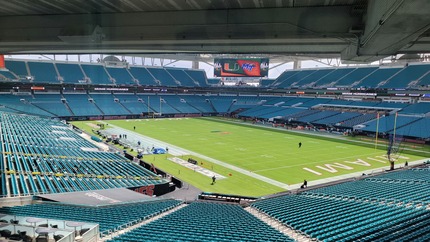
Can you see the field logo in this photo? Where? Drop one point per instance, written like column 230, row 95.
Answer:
column 334, row 167
column 196, row 168
column 248, row 66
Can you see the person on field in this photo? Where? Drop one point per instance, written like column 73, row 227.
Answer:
column 305, row 184
column 213, row 180
column 300, row 144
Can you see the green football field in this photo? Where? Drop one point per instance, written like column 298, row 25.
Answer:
column 261, row 152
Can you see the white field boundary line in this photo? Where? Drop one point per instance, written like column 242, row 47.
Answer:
column 218, row 162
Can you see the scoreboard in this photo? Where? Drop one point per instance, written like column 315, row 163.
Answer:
column 252, row 67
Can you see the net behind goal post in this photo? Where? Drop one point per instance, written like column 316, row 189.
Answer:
column 394, row 147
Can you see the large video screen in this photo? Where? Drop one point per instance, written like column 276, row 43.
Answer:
column 255, row 67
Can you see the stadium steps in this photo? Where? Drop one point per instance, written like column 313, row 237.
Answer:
column 229, row 110
column 212, row 105
column 4, row 165
column 330, row 84
column 134, row 78
column 156, row 80
column 195, row 81
column 388, row 79
column 58, row 73
column 406, row 124
column 380, row 77
column 69, row 109
column 274, row 223
column 34, row 105
column 28, row 70
column 172, row 106
column 296, row 83
column 9, row 75
column 359, row 81
column 414, row 83
column 110, row 77
column 156, row 217
column 176, row 81
column 123, row 105
column 83, row 72
column 191, row 104
column 334, row 81
column 98, row 108
column 281, row 78
column 296, row 78
column 314, row 121
column 315, row 81
column 303, row 114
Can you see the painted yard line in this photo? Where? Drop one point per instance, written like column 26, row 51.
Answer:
column 316, row 162
column 226, row 165
column 309, row 156
column 258, row 153
column 300, row 133
column 261, row 162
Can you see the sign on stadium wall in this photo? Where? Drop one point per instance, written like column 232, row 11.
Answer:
column 150, row 190
column 358, row 94
column 110, row 89
column 37, row 88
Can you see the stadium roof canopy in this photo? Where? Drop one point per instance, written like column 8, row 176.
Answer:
column 355, row 30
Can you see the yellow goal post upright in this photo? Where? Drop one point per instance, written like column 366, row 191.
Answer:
column 377, row 130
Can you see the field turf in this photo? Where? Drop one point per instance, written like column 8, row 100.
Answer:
column 267, row 152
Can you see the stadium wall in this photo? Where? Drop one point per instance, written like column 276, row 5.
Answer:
column 151, row 190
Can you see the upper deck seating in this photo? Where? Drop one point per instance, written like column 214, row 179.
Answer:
column 120, row 75
column 409, row 74
column 182, row 76
column 354, row 76
column 97, row 74
column 144, row 77
column 43, row 72
column 71, row 73
column 199, row 76
column 377, row 77
column 163, row 77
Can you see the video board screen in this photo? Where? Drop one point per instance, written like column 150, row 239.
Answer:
column 255, row 67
